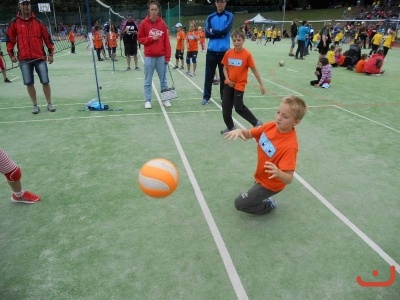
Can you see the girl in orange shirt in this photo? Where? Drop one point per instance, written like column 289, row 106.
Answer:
column 192, row 43
column 112, row 43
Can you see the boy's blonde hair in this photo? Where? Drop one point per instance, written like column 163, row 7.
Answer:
column 297, row 105
column 238, row 33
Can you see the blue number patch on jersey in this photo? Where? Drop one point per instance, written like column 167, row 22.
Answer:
column 266, row 145
column 235, row 62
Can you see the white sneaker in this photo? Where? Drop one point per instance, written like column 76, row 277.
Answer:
column 147, row 105
column 166, row 103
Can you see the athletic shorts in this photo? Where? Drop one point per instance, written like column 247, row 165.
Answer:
column 130, row 48
column 192, row 54
column 179, row 54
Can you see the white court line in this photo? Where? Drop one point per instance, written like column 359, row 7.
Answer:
column 292, row 70
column 365, row 118
column 107, row 114
column 223, row 250
column 350, row 224
column 281, row 86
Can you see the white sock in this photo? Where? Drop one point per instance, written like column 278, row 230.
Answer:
column 19, row 194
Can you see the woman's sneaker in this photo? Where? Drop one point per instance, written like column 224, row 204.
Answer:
column 147, row 105
column 27, row 197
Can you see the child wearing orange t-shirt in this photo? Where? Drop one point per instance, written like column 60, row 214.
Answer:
column 98, row 42
column 360, row 64
column 277, row 148
column 192, row 43
column 180, row 46
column 112, row 43
column 236, row 63
column 71, row 38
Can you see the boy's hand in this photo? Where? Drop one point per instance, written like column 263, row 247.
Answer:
column 229, row 83
column 271, row 169
column 262, row 89
column 234, row 134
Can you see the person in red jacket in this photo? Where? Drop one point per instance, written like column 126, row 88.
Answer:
column 29, row 34
column 153, row 35
column 374, row 64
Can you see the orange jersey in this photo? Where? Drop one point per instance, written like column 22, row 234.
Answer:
column 237, row 64
column 112, row 39
column 180, row 37
column 279, row 148
column 97, row 39
column 192, row 39
column 71, row 37
column 360, row 66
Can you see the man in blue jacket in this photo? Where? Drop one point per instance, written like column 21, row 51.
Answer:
column 217, row 28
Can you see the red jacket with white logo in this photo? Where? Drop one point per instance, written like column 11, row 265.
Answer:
column 155, row 48
column 29, row 35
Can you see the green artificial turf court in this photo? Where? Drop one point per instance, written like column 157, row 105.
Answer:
column 95, row 235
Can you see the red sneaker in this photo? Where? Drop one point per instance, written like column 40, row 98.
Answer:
column 27, row 197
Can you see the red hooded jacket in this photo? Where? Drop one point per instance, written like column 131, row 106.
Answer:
column 29, row 36
column 374, row 64
column 152, row 47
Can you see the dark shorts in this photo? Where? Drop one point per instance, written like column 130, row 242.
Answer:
column 192, row 54
column 27, row 67
column 179, row 54
column 131, row 48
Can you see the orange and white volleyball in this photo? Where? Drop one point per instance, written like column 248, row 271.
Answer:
column 158, row 178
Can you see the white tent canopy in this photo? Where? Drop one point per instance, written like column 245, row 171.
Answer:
column 259, row 19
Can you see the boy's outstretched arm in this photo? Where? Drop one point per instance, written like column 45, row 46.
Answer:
column 244, row 134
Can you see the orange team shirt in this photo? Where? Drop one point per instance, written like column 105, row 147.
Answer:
column 180, row 37
column 112, row 39
column 97, row 39
column 237, row 64
column 360, row 65
column 276, row 147
column 192, row 40
column 71, row 37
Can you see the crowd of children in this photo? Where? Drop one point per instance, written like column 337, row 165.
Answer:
column 379, row 44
